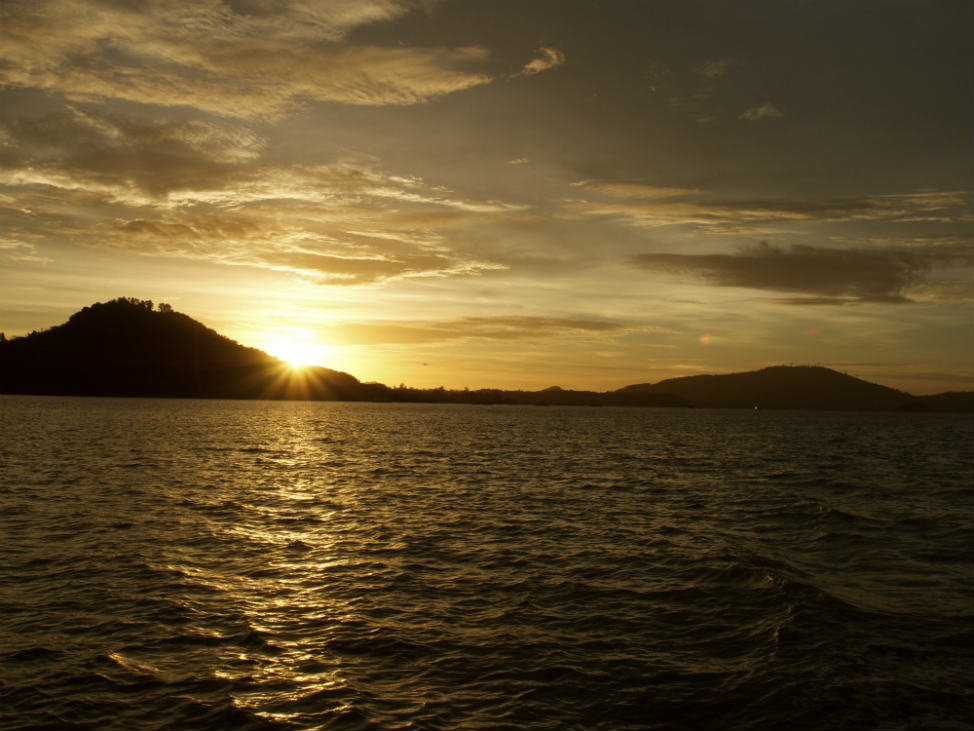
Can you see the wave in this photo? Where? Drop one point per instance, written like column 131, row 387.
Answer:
column 351, row 566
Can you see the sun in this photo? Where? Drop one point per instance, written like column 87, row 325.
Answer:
column 297, row 354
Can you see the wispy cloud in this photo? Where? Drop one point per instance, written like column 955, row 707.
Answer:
column 158, row 138
column 547, row 58
column 764, row 111
column 85, row 148
column 652, row 207
column 249, row 59
column 202, row 190
column 318, row 246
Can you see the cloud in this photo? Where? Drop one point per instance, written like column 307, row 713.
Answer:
column 512, row 327
column 637, row 191
column 651, row 207
column 347, row 240
column 329, row 269
column 245, row 59
column 715, row 69
column 80, row 148
column 201, row 190
column 825, row 275
column 490, row 328
column 330, row 255
column 765, row 111
column 20, row 251
column 909, row 240
column 193, row 162
column 547, row 58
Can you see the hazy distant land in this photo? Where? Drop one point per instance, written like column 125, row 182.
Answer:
column 127, row 347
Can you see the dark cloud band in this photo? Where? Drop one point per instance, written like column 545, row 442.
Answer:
column 826, row 275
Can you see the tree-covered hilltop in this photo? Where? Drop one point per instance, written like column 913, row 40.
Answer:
column 129, row 347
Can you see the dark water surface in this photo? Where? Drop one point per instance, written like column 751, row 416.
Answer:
column 253, row 565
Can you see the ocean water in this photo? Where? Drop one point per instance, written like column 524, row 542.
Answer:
column 171, row 564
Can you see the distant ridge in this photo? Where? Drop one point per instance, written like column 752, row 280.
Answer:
column 127, row 347
column 780, row 387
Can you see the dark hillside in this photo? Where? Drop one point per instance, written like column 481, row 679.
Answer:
column 127, row 348
column 959, row 401
column 778, row 387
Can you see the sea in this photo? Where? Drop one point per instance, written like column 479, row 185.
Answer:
column 198, row 564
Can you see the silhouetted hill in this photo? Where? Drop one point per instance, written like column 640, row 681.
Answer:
column 778, row 387
column 960, row 401
column 128, row 348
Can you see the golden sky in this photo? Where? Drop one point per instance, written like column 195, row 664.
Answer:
column 486, row 193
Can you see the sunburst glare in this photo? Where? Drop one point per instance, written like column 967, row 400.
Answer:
column 299, row 354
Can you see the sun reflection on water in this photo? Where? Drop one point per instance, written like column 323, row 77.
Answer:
column 294, row 672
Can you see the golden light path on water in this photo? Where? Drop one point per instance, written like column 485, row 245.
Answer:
column 283, row 604
column 276, row 598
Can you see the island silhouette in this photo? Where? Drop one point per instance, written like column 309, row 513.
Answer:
column 129, row 347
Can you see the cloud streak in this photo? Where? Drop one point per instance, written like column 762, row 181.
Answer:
column 652, row 207
column 500, row 328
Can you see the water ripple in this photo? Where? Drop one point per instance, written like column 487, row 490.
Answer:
column 212, row 565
